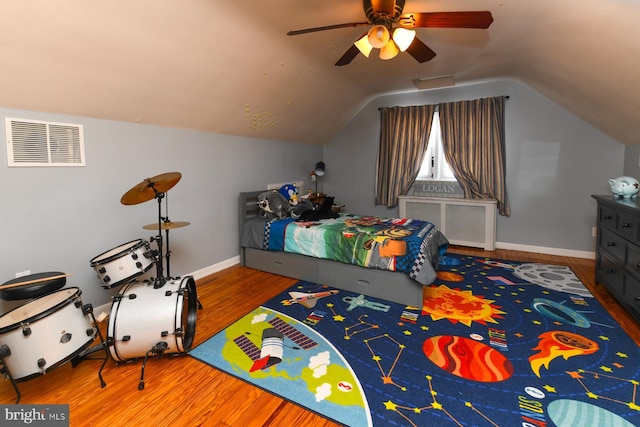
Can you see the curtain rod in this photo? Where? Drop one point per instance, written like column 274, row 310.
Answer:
column 504, row 96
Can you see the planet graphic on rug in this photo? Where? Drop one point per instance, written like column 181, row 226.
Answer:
column 569, row 413
column 466, row 358
column 557, row 277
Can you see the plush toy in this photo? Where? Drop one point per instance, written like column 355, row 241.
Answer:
column 298, row 205
column 274, row 205
column 320, row 211
column 303, row 206
column 290, row 192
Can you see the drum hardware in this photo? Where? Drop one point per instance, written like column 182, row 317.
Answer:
column 156, row 350
column 167, row 225
column 87, row 309
column 149, row 189
column 5, row 352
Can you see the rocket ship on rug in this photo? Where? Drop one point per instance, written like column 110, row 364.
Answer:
column 308, row 300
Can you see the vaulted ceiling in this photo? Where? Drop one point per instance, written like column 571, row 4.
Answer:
column 228, row 66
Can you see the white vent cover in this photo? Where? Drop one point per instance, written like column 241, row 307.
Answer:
column 466, row 222
column 37, row 143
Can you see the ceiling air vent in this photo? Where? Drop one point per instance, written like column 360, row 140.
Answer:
column 37, row 143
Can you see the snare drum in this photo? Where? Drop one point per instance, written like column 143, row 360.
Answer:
column 45, row 333
column 141, row 316
column 123, row 264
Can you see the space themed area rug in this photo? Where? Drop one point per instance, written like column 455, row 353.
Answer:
column 496, row 343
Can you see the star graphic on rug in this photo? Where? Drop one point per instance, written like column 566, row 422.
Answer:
column 549, row 388
column 606, row 368
column 623, row 355
column 604, row 337
column 618, row 365
column 407, row 332
column 390, row 405
column 424, row 328
column 338, row 318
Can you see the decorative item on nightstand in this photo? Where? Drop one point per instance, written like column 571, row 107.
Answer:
column 624, row 186
column 316, row 173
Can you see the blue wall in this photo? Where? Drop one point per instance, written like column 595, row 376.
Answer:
column 555, row 161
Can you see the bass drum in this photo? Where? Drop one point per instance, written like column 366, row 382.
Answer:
column 45, row 332
column 124, row 263
column 142, row 316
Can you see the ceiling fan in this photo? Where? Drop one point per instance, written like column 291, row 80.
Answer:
column 392, row 31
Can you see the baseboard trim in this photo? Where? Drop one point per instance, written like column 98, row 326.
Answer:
column 547, row 251
column 198, row 274
column 204, row 272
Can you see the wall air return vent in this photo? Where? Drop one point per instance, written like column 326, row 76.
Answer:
column 37, row 143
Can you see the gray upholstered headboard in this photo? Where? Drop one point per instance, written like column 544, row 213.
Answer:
column 248, row 208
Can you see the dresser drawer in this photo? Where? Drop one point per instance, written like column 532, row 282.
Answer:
column 628, row 226
column 633, row 260
column 631, row 298
column 613, row 244
column 612, row 274
column 608, row 217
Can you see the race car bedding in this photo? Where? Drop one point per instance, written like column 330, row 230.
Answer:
column 409, row 246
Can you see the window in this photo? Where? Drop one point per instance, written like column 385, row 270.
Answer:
column 434, row 166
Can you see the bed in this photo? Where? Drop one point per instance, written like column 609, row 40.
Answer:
column 382, row 275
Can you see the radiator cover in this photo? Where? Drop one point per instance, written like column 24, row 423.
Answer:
column 465, row 222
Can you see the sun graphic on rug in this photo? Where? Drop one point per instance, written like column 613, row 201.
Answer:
column 441, row 302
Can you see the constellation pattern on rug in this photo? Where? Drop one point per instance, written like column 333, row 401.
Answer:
column 580, row 375
column 358, row 328
column 403, row 411
column 386, row 376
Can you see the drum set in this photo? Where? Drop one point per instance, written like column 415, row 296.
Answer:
column 148, row 317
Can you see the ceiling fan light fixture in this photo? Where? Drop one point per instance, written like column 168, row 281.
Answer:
column 389, row 51
column 403, row 38
column 378, row 36
column 364, row 46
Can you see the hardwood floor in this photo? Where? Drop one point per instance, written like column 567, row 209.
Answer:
column 180, row 390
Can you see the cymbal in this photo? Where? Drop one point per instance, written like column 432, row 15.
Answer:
column 145, row 190
column 169, row 225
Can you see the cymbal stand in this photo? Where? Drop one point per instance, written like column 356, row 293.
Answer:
column 166, row 232
column 160, row 279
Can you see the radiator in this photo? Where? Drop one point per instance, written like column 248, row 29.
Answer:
column 464, row 222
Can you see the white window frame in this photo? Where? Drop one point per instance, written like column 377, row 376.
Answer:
column 434, row 166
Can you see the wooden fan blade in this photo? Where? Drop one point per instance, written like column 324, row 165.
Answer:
column 348, row 56
column 326, row 27
column 420, row 51
column 447, row 20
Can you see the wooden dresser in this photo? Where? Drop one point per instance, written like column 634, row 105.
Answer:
column 618, row 250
